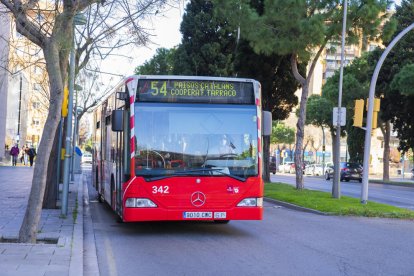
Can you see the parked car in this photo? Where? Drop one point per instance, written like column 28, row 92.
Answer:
column 87, row 157
column 285, row 168
column 349, row 171
column 314, row 169
column 290, row 167
column 272, row 164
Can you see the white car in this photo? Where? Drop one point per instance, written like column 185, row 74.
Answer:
column 285, row 168
column 314, row 169
column 87, row 157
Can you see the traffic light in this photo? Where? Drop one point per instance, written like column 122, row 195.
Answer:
column 65, row 102
column 374, row 119
column 358, row 113
column 377, row 105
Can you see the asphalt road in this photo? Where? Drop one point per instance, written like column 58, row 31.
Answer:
column 286, row 242
column 389, row 194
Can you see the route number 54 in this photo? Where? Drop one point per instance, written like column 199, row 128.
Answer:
column 160, row 189
column 156, row 89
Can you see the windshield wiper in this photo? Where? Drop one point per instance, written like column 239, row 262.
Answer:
column 191, row 172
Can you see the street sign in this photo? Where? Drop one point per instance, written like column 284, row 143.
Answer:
column 342, row 116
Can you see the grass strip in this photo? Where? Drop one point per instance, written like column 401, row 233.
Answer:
column 324, row 202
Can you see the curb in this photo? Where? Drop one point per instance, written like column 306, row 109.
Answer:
column 76, row 259
column 295, row 207
column 89, row 253
column 380, row 182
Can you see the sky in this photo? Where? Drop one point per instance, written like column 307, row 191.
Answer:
column 166, row 33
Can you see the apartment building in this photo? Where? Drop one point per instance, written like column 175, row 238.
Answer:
column 23, row 88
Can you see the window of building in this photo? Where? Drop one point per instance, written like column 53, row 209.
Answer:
column 36, row 86
column 40, row 18
column 37, row 69
column 36, row 122
column 36, row 105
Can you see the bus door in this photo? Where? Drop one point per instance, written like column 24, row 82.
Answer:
column 119, row 173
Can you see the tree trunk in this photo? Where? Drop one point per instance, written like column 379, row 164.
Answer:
column 50, row 196
column 266, row 146
column 300, row 133
column 28, row 230
column 386, row 154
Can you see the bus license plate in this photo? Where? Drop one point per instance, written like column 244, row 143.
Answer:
column 193, row 215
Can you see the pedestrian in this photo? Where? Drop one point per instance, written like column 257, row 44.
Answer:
column 32, row 154
column 21, row 154
column 26, row 155
column 14, row 152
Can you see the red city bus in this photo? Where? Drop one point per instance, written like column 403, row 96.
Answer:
column 181, row 148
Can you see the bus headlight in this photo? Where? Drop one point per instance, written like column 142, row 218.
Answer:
column 251, row 202
column 139, row 203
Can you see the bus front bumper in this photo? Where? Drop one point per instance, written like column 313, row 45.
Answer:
column 161, row 214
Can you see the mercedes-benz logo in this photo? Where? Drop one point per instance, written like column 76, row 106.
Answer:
column 198, row 199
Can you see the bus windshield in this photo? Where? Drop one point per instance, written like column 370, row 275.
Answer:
column 195, row 139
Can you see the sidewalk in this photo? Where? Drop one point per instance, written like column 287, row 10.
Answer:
column 60, row 240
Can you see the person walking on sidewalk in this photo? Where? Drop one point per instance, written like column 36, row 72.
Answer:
column 14, row 152
column 21, row 155
column 32, row 153
column 26, row 155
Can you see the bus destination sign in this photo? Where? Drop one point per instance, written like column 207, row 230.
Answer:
column 195, row 91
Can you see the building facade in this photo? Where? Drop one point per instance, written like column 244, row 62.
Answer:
column 23, row 88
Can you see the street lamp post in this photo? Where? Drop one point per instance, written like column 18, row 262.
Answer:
column 75, row 133
column 367, row 144
column 323, row 150
column 336, row 188
column 20, row 108
column 78, row 19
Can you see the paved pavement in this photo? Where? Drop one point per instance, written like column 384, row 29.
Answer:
column 60, row 248
column 66, row 245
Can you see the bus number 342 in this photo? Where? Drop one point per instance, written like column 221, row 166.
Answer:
column 160, row 189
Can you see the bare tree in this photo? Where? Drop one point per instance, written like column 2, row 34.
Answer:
column 54, row 35
column 109, row 28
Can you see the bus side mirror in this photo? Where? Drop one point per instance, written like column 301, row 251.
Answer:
column 117, row 120
column 122, row 96
column 267, row 123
